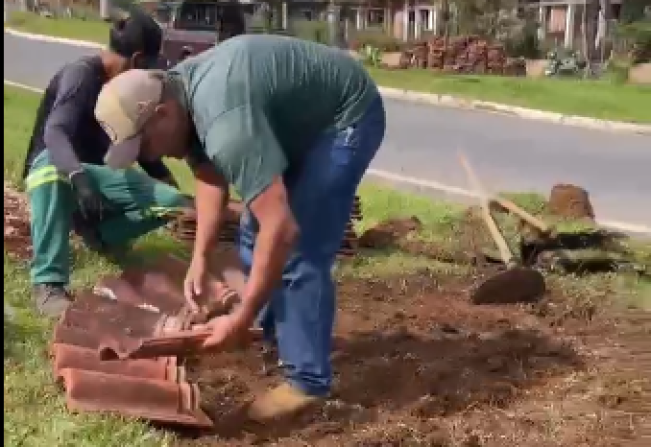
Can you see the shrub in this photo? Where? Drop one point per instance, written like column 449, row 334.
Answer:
column 525, row 43
column 617, row 71
column 638, row 34
column 313, row 30
column 376, row 39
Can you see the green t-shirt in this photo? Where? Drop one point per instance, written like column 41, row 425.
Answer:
column 259, row 102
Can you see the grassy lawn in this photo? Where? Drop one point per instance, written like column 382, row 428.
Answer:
column 584, row 98
column 35, row 414
column 597, row 99
column 90, row 29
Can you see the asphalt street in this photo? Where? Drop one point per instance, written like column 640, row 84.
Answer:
column 422, row 141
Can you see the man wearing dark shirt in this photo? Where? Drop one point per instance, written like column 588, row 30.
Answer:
column 68, row 185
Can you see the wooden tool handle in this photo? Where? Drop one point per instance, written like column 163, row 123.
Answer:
column 496, row 234
column 522, row 214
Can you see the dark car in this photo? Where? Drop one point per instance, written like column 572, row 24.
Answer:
column 190, row 27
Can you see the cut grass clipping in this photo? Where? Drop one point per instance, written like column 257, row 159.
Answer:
column 595, row 99
column 35, row 414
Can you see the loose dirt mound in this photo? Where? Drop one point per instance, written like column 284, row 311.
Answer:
column 16, row 224
column 388, row 233
column 572, row 202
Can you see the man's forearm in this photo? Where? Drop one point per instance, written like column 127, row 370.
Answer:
column 211, row 199
column 62, row 154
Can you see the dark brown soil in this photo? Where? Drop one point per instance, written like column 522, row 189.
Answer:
column 418, row 364
column 569, row 201
column 16, row 224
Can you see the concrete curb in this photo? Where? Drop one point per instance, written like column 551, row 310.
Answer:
column 434, row 99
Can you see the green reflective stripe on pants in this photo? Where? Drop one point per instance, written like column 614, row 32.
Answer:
column 44, row 175
column 36, row 172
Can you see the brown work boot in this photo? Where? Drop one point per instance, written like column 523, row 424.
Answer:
column 282, row 402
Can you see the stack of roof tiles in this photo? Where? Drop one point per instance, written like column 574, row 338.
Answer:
column 464, row 54
column 121, row 346
column 184, row 228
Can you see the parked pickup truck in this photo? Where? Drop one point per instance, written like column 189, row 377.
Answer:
column 190, row 27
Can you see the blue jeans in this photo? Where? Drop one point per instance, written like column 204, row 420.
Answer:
column 301, row 313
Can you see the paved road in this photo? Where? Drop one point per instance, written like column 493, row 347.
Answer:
column 422, row 140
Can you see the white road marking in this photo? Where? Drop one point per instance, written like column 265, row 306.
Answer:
column 23, row 86
column 430, row 184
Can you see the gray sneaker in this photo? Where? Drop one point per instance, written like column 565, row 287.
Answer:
column 51, row 299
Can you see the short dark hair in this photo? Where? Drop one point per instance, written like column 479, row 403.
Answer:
column 138, row 32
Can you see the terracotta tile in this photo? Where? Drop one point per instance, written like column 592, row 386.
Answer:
column 66, row 356
column 153, row 400
column 98, row 314
column 82, row 338
column 162, row 286
column 181, row 344
column 159, row 285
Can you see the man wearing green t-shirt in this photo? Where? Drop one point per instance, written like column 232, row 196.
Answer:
column 293, row 126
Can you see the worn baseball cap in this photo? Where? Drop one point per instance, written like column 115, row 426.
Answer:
column 123, row 107
column 136, row 31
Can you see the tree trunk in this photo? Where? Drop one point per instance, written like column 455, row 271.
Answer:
column 606, row 9
column 445, row 20
column 590, row 22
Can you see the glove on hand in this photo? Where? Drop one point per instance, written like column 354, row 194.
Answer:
column 93, row 206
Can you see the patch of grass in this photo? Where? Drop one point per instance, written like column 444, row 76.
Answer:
column 73, row 28
column 595, row 99
column 532, row 202
column 384, row 263
column 380, row 203
column 18, row 126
